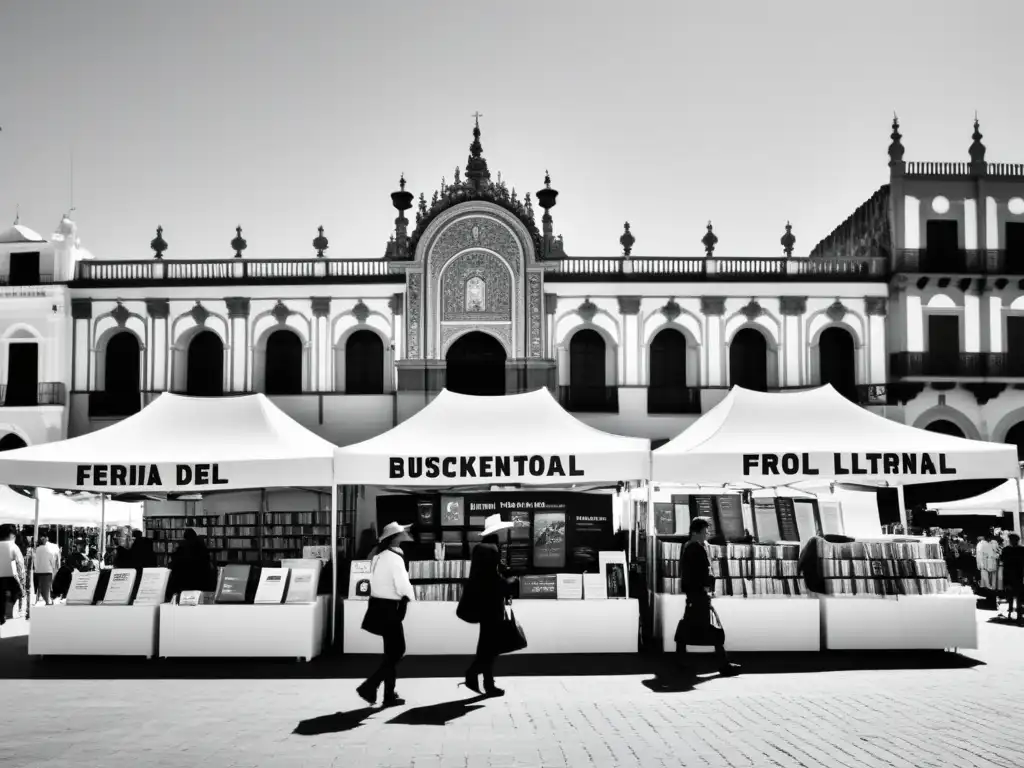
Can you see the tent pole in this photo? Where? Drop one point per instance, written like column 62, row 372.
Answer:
column 30, row 586
column 903, row 509
column 652, row 553
column 334, row 559
column 1017, row 522
column 102, row 548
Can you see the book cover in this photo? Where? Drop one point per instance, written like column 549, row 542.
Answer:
column 120, row 587
column 520, row 526
column 537, row 586
column 233, row 585
column 664, row 518
column 806, row 512
column 730, row 517
column 704, row 506
column 318, row 552
column 453, row 512
column 302, row 585
column 613, row 568
column 549, row 539
column 594, row 586
column 152, row 586
column 569, row 586
column 271, row 587
column 83, row 588
column 787, row 519
column 425, row 513
column 359, row 580
column 766, row 521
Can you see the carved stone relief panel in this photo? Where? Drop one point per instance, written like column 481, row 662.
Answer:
column 449, row 333
column 476, row 287
column 475, row 232
column 535, row 313
column 414, row 312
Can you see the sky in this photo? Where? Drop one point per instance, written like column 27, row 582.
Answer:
column 283, row 116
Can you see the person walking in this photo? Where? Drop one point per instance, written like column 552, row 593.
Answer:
column 483, row 602
column 1013, row 576
column 12, row 571
column 45, row 563
column 695, row 627
column 390, row 594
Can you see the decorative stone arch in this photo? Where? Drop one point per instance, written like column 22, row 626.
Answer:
column 259, row 352
column 340, row 349
column 346, row 323
column 22, row 332
column 948, row 413
column 693, row 352
column 179, row 356
column 508, row 331
column 813, row 348
column 771, row 342
column 1005, row 424
column 611, row 354
column 99, row 369
column 568, row 323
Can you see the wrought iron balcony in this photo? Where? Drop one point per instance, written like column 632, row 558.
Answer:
column 44, row 393
column 588, row 399
column 870, row 269
column 233, row 271
column 1004, row 365
column 960, row 262
column 937, row 364
column 43, row 278
column 673, row 400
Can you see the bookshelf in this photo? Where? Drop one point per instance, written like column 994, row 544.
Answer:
column 740, row 570
column 883, row 568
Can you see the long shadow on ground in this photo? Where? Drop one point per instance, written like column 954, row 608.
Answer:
column 15, row 664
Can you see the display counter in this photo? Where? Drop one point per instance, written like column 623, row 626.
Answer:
column 751, row 624
column 94, row 630
column 906, row 622
column 244, row 631
column 551, row 626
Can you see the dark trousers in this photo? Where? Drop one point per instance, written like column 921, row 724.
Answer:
column 394, row 650
column 43, row 583
column 9, row 585
column 1014, row 594
column 483, row 662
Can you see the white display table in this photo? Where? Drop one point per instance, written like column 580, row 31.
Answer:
column 94, row 630
column 907, row 622
column 244, row 631
column 751, row 624
column 551, row 626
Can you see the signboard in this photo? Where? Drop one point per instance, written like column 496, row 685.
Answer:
column 664, row 518
column 766, row 521
column 464, row 467
column 153, row 586
column 134, row 475
column 885, row 464
column 787, row 519
column 549, row 539
column 119, row 588
column 545, row 586
column 704, row 506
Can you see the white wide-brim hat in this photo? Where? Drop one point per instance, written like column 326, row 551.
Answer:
column 493, row 524
column 393, row 529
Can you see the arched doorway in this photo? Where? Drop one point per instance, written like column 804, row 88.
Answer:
column 364, row 364
column 1015, row 436
column 748, row 360
column 205, row 365
column 283, row 372
column 836, row 361
column 10, row 442
column 121, row 364
column 945, row 427
column 476, row 365
column 666, row 390
column 588, row 374
column 22, row 373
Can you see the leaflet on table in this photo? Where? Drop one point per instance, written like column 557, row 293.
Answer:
column 569, row 586
column 271, row 587
column 538, row 586
column 303, row 581
column 359, row 580
column 83, row 588
column 595, row 587
column 190, row 597
column 120, row 586
column 153, row 586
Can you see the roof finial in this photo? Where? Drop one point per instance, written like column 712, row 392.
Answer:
column 627, row 240
column 476, row 166
column 401, row 182
column 896, row 147
column 977, row 149
column 788, row 240
column 709, row 240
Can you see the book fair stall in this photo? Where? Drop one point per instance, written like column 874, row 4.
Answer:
column 463, row 458
column 185, row 445
column 869, row 592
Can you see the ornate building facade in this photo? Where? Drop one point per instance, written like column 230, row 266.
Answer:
column 913, row 307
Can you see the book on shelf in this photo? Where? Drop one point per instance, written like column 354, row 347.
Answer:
column 120, row 587
column 883, row 568
column 438, row 592
column 439, row 569
column 153, row 586
column 740, row 570
column 272, row 585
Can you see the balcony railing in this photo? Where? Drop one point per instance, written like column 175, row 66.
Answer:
column 960, row 262
column 44, row 393
column 673, row 400
column 917, row 364
column 43, row 278
column 870, row 269
column 586, row 399
column 1004, row 365
column 235, row 271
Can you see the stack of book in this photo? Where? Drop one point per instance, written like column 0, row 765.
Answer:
column 884, row 568
column 438, row 580
column 740, row 570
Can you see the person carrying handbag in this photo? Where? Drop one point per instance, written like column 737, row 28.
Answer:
column 485, row 601
column 696, row 627
column 390, row 594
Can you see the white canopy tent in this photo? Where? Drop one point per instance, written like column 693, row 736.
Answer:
column 1003, row 498
column 466, row 440
column 56, row 509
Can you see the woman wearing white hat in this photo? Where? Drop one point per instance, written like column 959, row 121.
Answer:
column 483, row 603
column 390, row 593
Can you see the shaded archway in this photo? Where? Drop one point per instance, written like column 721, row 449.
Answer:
column 588, row 374
column 1015, row 436
column 476, row 365
column 205, row 365
column 748, row 360
column 121, row 364
column 667, row 391
column 11, row 441
column 837, row 361
column 364, row 364
column 944, row 427
column 283, row 372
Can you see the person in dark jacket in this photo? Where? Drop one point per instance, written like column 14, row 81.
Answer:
column 483, row 602
column 62, row 580
column 1013, row 576
column 695, row 570
column 190, row 565
column 142, row 554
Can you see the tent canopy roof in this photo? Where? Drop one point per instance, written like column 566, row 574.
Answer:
column 456, row 426
column 830, row 430
column 253, row 442
column 1002, row 498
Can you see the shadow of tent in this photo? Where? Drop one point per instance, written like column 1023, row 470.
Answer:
column 339, row 722
column 438, row 714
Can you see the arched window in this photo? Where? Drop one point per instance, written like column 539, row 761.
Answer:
column 121, row 365
column 1015, row 436
column 364, row 364
column 748, row 360
column 205, row 365
column 945, row 427
column 836, row 361
column 10, row 442
column 283, row 364
column 588, row 380
column 667, row 391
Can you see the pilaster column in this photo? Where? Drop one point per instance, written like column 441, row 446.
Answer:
column 322, row 363
column 81, row 340
column 713, row 309
column 159, row 311
column 550, row 307
column 238, row 318
column 984, row 317
column 792, row 308
column 876, row 308
column 629, row 308
column 397, row 306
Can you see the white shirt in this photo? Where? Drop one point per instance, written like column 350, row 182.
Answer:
column 12, row 564
column 47, row 558
column 388, row 577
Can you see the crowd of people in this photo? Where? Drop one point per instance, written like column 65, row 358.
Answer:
column 992, row 564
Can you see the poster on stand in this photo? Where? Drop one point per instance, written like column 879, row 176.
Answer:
column 271, row 588
column 787, row 519
column 359, row 580
column 549, row 539
column 595, row 587
column 766, row 521
column 806, row 511
column 453, row 512
column 613, row 568
column 831, row 516
column 664, row 518
column 120, row 587
column 569, row 586
column 153, row 586
column 83, row 588
column 704, row 506
column 730, row 517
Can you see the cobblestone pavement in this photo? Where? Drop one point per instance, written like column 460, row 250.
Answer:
column 950, row 713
